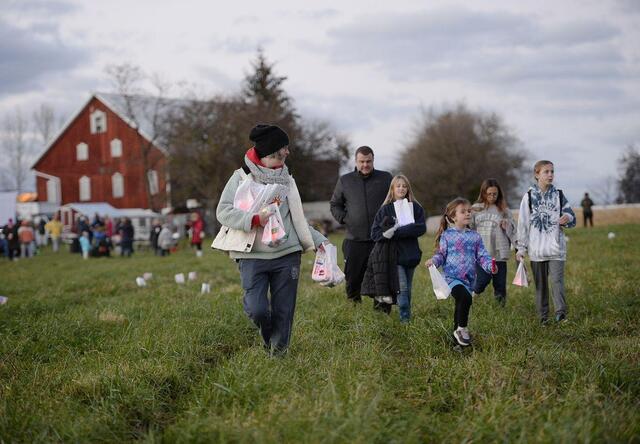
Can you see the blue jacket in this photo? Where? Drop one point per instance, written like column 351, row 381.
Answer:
column 409, row 253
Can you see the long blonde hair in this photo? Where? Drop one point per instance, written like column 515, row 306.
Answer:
column 447, row 217
column 390, row 197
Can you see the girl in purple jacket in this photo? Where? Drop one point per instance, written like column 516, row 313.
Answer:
column 458, row 250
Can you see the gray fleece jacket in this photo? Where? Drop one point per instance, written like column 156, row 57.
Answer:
column 234, row 218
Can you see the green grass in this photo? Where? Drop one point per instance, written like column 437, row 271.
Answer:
column 86, row 355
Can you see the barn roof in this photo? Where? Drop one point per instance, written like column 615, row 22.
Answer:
column 138, row 115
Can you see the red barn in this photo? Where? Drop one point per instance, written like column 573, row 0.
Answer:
column 99, row 156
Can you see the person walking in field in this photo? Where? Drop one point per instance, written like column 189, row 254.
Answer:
column 356, row 199
column 27, row 239
column 54, row 228
column 459, row 250
column 587, row 212
column 493, row 220
column 273, row 266
column 197, row 231
column 387, row 229
column 544, row 214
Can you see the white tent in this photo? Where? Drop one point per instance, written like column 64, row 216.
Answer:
column 7, row 206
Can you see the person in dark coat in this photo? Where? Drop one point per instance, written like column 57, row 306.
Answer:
column 126, row 238
column 156, row 228
column 389, row 227
column 356, row 199
column 587, row 212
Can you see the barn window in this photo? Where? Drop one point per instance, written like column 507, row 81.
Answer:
column 82, row 151
column 152, row 175
column 117, row 185
column 116, row 148
column 52, row 191
column 98, row 122
column 85, row 188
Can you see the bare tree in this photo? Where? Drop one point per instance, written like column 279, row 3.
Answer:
column 452, row 151
column 45, row 122
column 17, row 149
column 143, row 105
column 606, row 191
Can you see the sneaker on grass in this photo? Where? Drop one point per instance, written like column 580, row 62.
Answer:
column 561, row 317
column 459, row 337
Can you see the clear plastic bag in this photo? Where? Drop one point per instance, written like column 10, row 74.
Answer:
column 440, row 286
column 521, row 279
column 244, row 199
column 325, row 267
column 273, row 233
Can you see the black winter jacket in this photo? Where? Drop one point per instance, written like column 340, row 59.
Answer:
column 381, row 277
column 356, row 200
column 409, row 253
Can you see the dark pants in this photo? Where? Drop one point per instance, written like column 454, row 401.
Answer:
column 356, row 255
column 587, row 217
column 274, row 317
column 499, row 281
column 463, row 306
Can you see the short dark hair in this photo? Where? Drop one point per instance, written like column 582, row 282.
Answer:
column 364, row 150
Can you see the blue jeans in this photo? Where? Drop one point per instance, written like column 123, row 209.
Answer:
column 499, row 281
column 273, row 316
column 405, row 278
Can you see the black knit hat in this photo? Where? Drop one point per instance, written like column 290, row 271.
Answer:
column 268, row 139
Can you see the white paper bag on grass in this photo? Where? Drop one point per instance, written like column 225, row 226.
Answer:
column 440, row 286
column 3, row 300
column 521, row 276
column 179, row 278
column 193, row 275
column 147, row 276
column 141, row 282
column 206, row 288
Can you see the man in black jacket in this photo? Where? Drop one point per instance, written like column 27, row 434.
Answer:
column 356, row 199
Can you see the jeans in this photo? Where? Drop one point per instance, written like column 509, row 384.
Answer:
column 405, row 278
column 499, row 281
column 273, row 316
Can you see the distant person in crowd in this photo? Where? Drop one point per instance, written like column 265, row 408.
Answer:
column 387, row 232
column 587, row 211
column 197, row 231
column 101, row 246
column 165, row 240
column 154, row 235
column 97, row 221
column 27, row 238
column 264, row 267
column 13, row 242
column 41, row 232
column 356, row 199
column 82, row 226
column 108, row 226
column 85, row 245
column 493, row 220
column 54, row 228
column 544, row 214
column 4, row 242
column 126, row 237
column 459, row 250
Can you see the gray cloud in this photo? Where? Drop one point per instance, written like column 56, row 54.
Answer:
column 28, row 57
column 45, row 8
column 235, row 45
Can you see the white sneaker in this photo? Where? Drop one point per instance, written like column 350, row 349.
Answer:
column 465, row 334
column 460, row 339
column 387, row 299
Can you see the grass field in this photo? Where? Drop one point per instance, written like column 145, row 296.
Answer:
column 87, row 356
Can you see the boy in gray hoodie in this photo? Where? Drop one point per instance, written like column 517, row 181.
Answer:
column 263, row 267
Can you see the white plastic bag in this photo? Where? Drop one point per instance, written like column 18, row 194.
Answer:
column 521, row 276
column 325, row 267
column 273, row 233
column 440, row 286
column 244, row 199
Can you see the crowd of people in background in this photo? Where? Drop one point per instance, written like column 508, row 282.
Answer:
column 100, row 236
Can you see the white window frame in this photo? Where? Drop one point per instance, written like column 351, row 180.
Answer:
column 85, row 188
column 152, row 177
column 82, row 151
column 117, row 185
column 98, row 122
column 52, row 191
column 116, row 148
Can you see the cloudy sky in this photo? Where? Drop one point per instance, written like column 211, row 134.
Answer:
column 564, row 75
